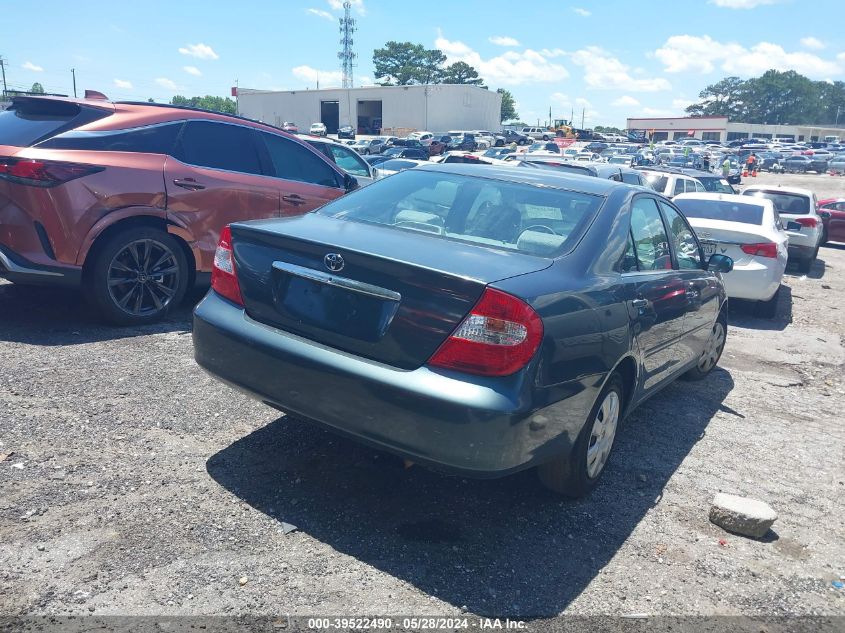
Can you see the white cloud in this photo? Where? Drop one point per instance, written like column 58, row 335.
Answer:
column 564, row 107
column 681, row 103
column 510, row 68
column 582, row 12
column 741, row 4
column 200, row 51
column 604, row 72
column 164, row 82
column 192, row 70
column 327, row 78
column 503, row 40
column 33, row 67
column 122, row 83
column 321, row 14
column 625, row 101
column 691, row 53
column 812, row 42
column 358, row 5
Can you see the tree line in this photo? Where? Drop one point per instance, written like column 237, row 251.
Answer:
column 781, row 98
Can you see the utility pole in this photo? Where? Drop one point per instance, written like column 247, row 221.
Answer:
column 73, row 72
column 3, row 69
column 583, row 110
column 837, row 107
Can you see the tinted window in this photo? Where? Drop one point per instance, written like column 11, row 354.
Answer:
column 292, row 161
column 785, row 203
column 679, row 187
column 650, row 240
column 631, row 179
column 721, row 210
column 683, row 238
column 629, row 262
column 657, row 182
column 28, row 121
column 349, row 161
column 219, row 146
column 154, row 139
column 493, row 213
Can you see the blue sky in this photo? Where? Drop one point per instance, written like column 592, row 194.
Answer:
column 613, row 59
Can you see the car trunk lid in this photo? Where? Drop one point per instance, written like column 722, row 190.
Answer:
column 394, row 307
column 727, row 238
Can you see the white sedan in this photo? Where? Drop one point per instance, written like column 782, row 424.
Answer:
column 748, row 231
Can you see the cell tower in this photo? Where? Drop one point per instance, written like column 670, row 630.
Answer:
column 347, row 56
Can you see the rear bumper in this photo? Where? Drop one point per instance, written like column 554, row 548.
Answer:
column 473, row 426
column 20, row 270
column 753, row 282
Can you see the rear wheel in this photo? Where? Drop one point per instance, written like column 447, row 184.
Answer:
column 768, row 309
column 806, row 265
column 711, row 353
column 137, row 276
column 576, row 474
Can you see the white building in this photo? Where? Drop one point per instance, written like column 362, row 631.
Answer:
column 438, row 108
column 718, row 128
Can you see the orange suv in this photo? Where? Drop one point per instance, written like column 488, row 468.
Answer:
column 127, row 200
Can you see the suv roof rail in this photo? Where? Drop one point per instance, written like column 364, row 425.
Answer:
column 204, row 110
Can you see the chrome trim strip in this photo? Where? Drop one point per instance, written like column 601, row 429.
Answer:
column 12, row 267
column 340, row 282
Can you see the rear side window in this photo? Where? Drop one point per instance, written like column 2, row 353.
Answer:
column 219, row 146
column 153, row 139
column 497, row 214
column 658, row 183
column 349, row 162
column 292, row 161
column 683, row 238
column 651, row 244
column 631, row 179
column 29, row 121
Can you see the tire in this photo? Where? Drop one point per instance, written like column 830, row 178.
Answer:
column 824, row 238
column 144, row 253
column 768, row 309
column 711, row 353
column 545, row 137
column 577, row 473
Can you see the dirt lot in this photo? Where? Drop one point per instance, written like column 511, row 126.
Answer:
column 136, row 484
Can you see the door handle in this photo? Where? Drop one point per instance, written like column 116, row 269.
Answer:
column 294, row 199
column 640, row 303
column 188, row 183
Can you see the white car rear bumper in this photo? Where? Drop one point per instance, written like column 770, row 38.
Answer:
column 754, row 281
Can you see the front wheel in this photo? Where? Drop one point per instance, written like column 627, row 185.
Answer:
column 710, row 355
column 576, row 474
column 136, row 276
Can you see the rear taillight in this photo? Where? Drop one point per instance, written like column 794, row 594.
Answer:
column 767, row 249
column 498, row 337
column 224, row 278
column 43, row 173
column 808, row 222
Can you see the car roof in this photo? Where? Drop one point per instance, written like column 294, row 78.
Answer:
column 535, row 177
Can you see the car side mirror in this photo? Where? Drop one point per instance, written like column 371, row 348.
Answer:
column 793, row 226
column 825, row 215
column 350, row 183
column 720, row 264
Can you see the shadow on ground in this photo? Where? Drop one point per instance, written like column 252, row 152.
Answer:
column 40, row 315
column 498, row 547
column 745, row 314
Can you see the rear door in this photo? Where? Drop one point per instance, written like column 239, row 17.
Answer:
column 836, row 224
column 655, row 292
column 214, row 178
column 701, row 291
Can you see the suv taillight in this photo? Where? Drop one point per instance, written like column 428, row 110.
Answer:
column 43, row 173
column 224, row 279
column 808, row 222
column 497, row 338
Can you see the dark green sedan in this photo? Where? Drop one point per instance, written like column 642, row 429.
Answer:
column 477, row 320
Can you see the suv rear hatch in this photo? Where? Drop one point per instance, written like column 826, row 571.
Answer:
column 395, row 307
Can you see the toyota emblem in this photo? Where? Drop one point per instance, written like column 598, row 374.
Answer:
column 334, row 262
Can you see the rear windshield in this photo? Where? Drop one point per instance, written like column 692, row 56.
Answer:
column 504, row 215
column 789, row 203
column 29, row 121
column 721, row 210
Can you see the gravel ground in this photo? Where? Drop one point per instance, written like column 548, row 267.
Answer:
column 136, row 484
